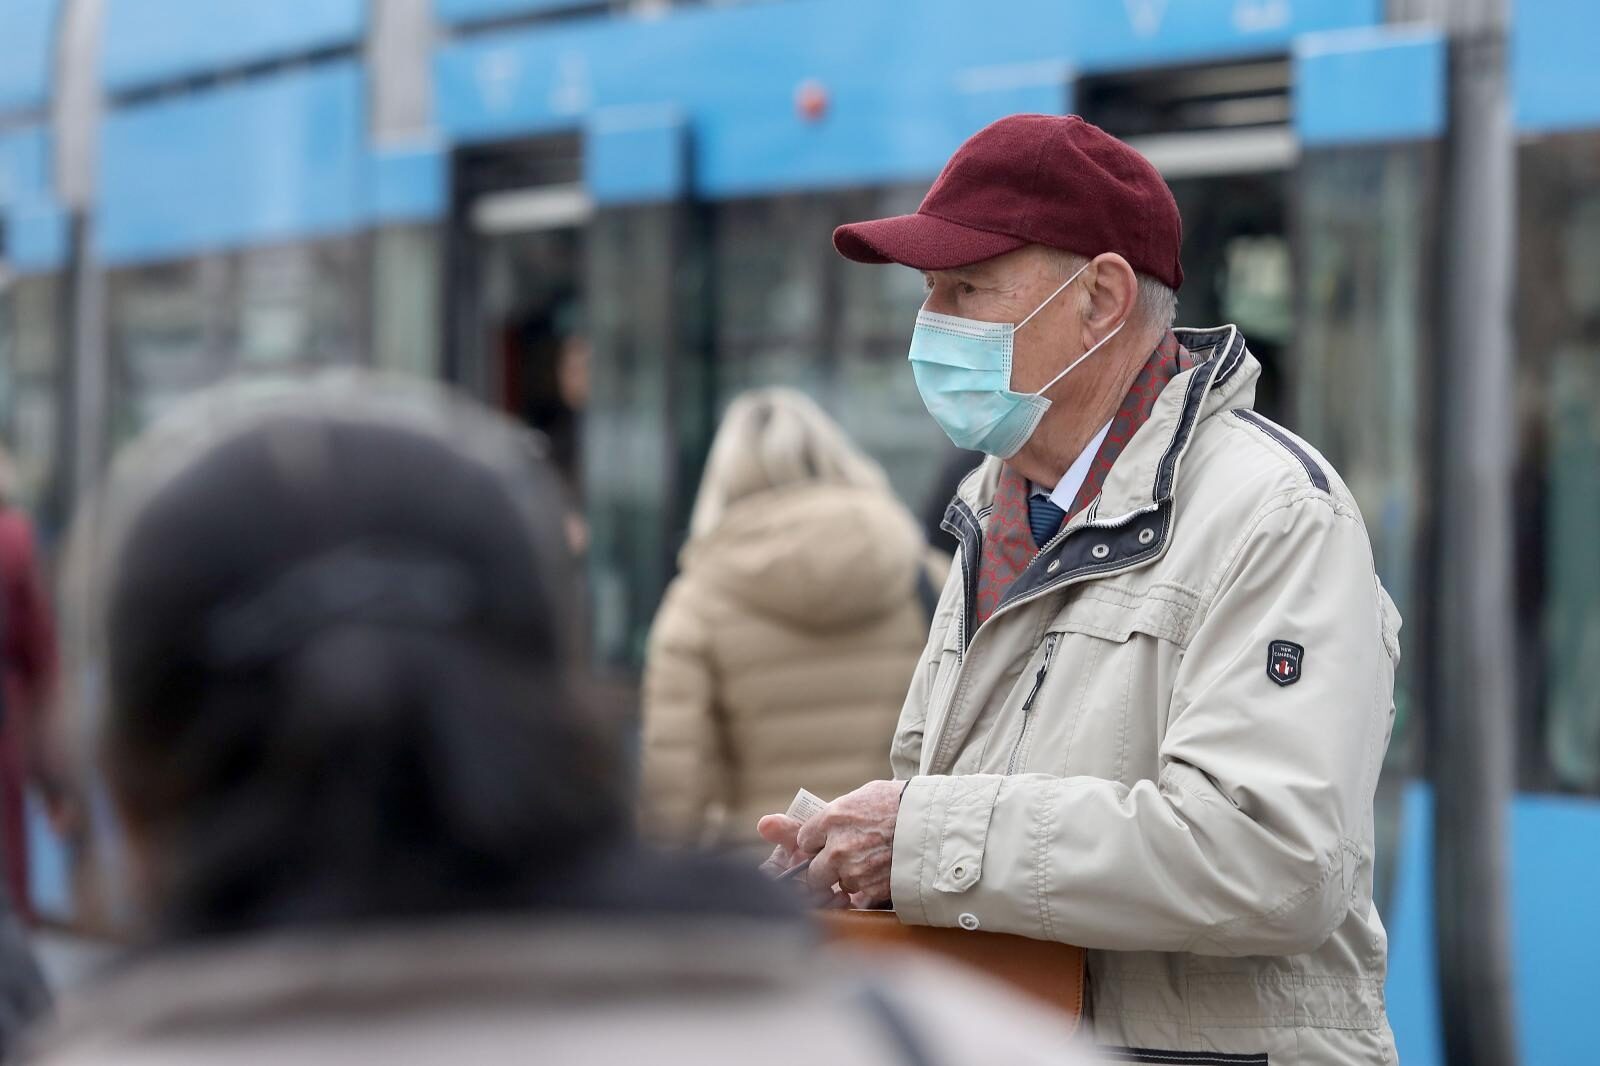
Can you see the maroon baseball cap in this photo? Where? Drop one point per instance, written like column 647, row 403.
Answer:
column 1054, row 180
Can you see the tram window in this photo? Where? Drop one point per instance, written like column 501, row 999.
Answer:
column 790, row 311
column 406, row 262
column 1558, row 470
column 874, row 395
column 37, row 336
column 771, row 291
column 178, row 326
column 1236, row 266
column 165, row 327
column 1361, row 352
column 296, row 304
column 1361, row 348
column 30, row 352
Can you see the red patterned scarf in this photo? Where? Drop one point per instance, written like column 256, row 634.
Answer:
column 1008, row 545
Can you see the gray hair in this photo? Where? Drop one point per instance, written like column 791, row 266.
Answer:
column 1156, row 306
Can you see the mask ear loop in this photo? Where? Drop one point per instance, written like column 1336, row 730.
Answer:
column 1095, row 348
column 1053, row 295
column 1074, row 365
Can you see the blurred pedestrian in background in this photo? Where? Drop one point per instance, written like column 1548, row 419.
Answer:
column 27, row 674
column 781, row 653
column 365, row 815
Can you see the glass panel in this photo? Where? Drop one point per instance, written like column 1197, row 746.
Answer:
column 176, row 327
column 29, row 341
column 872, row 392
column 164, row 336
column 405, row 300
column 1558, row 471
column 1237, row 268
column 29, row 351
column 38, row 325
column 1361, row 355
column 628, row 440
column 790, row 311
column 771, row 265
column 297, row 305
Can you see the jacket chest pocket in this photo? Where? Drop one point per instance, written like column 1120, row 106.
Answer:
column 1095, row 700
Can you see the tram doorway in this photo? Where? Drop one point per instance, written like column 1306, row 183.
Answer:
column 1220, row 134
column 1237, row 268
column 519, row 337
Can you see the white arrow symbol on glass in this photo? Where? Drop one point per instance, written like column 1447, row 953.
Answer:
column 1146, row 16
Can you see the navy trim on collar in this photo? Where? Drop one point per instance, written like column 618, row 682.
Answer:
column 1094, row 549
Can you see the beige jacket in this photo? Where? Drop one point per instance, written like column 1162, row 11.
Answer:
column 680, row 993
column 779, row 660
column 1121, row 758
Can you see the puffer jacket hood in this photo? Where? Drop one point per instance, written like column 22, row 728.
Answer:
column 818, row 557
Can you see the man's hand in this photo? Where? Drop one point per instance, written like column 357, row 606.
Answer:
column 782, row 832
column 852, row 842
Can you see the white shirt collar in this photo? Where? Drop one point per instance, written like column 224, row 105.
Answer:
column 1066, row 490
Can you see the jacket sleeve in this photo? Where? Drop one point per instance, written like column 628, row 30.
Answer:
column 683, row 766
column 1247, row 843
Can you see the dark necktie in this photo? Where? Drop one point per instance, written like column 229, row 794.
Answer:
column 1044, row 518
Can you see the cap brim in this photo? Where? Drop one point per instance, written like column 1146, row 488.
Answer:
column 922, row 242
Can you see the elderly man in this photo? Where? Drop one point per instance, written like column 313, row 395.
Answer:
column 1159, row 683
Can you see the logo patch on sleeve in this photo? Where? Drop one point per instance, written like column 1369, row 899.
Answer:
column 1285, row 661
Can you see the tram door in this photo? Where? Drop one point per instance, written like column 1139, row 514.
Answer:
column 1220, row 135
column 518, row 329
column 1237, row 268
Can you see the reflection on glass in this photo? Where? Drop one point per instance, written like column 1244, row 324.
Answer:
column 790, row 311
column 405, row 300
column 296, row 305
column 1360, row 358
column 628, row 441
column 176, row 327
column 1558, row 475
column 30, row 356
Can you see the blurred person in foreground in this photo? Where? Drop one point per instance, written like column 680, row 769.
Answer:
column 364, row 813
column 1153, row 706
column 782, row 651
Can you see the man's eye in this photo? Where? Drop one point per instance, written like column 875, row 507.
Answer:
column 967, row 288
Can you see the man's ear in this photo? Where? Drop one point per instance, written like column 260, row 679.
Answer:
column 1113, row 290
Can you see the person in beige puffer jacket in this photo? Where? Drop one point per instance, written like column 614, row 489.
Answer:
column 782, row 652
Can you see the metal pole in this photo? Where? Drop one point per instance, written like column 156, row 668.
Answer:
column 75, row 124
column 1471, row 737
column 400, row 59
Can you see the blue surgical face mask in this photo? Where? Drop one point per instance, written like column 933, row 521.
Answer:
column 963, row 370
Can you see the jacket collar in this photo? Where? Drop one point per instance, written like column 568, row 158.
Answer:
column 1145, row 474
column 1131, row 521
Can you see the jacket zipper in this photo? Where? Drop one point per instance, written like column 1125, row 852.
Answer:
column 1050, row 643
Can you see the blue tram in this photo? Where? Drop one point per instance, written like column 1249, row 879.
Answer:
column 467, row 189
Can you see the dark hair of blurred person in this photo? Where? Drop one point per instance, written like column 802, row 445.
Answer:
column 336, row 684
column 320, row 645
